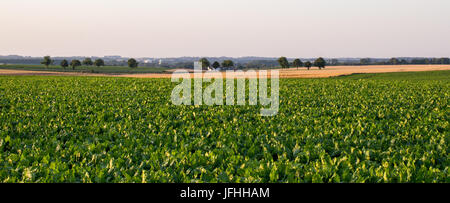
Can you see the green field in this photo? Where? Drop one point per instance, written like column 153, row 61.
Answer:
column 86, row 69
column 360, row 128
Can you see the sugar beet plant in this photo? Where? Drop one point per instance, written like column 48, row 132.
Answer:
column 93, row 129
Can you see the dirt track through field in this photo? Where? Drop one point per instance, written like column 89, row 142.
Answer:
column 330, row 71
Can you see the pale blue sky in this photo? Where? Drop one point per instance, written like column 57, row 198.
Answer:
column 171, row 28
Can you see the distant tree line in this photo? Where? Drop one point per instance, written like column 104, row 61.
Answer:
column 397, row 61
column 391, row 61
column 47, row 61
column 321, row 62
column 282, row 62
column 87, row 62
column 297, row 63
column 225, row 64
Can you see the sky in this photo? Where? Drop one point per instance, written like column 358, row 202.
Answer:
column 269, row 28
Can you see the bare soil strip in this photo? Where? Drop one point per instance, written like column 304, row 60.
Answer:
column 330, row 71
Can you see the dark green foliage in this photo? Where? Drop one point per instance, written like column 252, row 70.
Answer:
column 205, row 63
column 216, row 64
column 308, row 65
column 75, row 63
column 47, row 61
column 132, row 63
column 394, row 61
column 88, row 62
column 64, row 63
column 365, row 61
column 227, row 63
column 297, row 63
column 320, row 63
column 99, row 62
column 384, row 128
column 284, row 63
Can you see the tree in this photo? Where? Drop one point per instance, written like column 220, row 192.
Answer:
column 394, row 61
column 64, row 63
column 88, row 62
column 205, row 63
column 297, row 63
column 308, row 65
column 227, row 63
column 75, row 63
column 99, row 62
column 216, row 65
column 47, row 61
column 320, row 63
column 132, row 63
column 365, row 61
column 284, row 63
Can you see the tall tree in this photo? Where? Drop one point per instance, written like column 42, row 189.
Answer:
column 227, row 63
column 308, row 65
column 64, row 63
column 47, row 61
column 99, row 62
column 88, row 62
column 75, row 63
column 205, row 63
column 132, row 63
column 216, row 65
column 297, row 63
column 284, row 63
column 320, row 63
